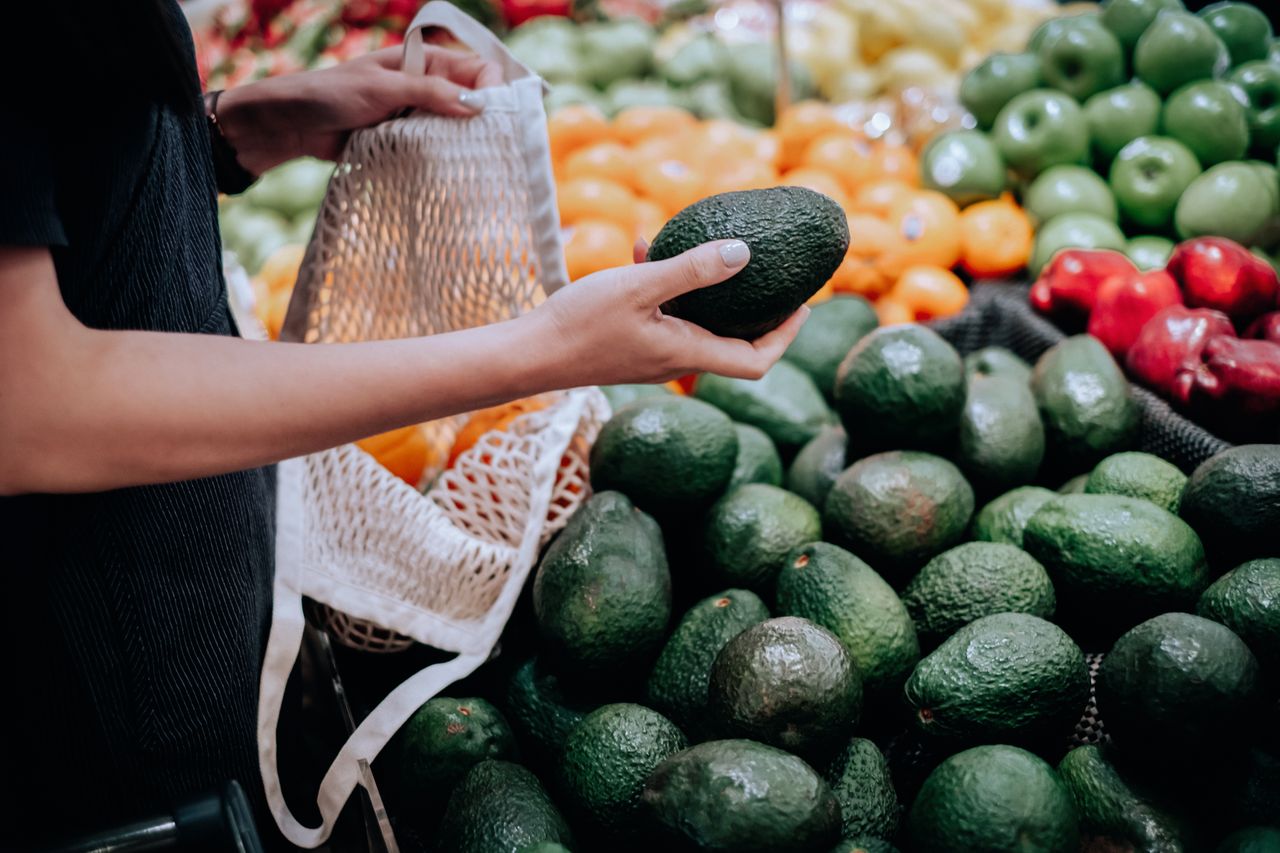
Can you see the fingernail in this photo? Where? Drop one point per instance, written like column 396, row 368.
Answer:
column 471, row 100
column 735, row 253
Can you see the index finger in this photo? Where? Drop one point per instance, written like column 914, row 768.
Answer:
column 465, row 69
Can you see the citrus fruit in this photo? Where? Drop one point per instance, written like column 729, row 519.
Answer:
column 995, row 238
column 671, row 184
column 573, row 127
column 878, row 196
column 928, row 226
column 798, row 125
column 929, row 292
column 636, row 123
column 610, row 161
column 843, row 155
column 403, row 452
column 595, row 245
column 595, row 198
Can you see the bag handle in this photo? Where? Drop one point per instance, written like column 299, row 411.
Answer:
column 465, row 29
column 283, row 645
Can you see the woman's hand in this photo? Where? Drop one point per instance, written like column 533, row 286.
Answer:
column 313, row 113
column 609, row 327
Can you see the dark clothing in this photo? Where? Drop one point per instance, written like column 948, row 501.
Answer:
column 136, row 618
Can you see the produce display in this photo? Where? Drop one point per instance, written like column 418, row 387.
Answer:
column 905, row 593
column 1127, row 127
column 621, row 179
column 710, row 659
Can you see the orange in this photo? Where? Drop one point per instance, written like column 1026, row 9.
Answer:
column 403, row 452
column 595, row 198
column 722, row 140
column 817, row 180
column 675, row 387
column 859, row 272
column 930, row 292
column 274, row 312
column 928, row 226
column 650, row 217
column 672, row 184
column 892, row 312
column 799, row 125
column 593, row 246
column 892, row 160
column 573, row 127
column 843, row 155
column 683, row 145
column 740, row 175
column 490, row 420
column 995, row 238
column 280, row 270
column 607, row 160
column 636, row 123
column 878, row 196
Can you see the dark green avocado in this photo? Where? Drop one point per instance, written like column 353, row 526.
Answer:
column 797, row 237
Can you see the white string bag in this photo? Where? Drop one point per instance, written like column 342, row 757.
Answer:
column 429, row 224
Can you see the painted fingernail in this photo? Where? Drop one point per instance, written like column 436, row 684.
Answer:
column 735, row 253
column 470, row 99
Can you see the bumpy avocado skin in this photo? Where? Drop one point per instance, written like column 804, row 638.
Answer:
column 797, row 238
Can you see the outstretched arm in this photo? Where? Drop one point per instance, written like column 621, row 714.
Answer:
column 87, row 410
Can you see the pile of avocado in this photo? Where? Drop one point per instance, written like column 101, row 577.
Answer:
column 776, row 582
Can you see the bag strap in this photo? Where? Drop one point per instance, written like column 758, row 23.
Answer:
column 283, row 645
column 465, row 29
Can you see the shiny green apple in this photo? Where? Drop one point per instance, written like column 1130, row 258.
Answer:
column 965, row 165
column 1118, row 116
column 1039, row 129
column 1178, row 48
column 1148, row 177
column 1209, row 117
column 1068, row 189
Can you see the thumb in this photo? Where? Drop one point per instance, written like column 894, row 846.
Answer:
column 701, row 266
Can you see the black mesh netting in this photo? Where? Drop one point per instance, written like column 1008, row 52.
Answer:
column 999, row 315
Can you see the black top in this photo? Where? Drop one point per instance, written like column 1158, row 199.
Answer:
column 135, row 619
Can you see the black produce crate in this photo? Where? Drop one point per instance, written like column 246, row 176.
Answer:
column 998, row 314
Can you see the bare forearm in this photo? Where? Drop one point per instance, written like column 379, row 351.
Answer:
column 126, row 408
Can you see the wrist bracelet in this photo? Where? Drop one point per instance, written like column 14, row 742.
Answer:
column 231, row 176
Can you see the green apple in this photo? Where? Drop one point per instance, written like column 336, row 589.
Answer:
column 1260, row 82
column 995, row 81
column 1209, row 117
column 1227, row 200
column 1148, row 177
column 1081, row 60
column 1039, row 129
column 1176, row 49
column 1149, row 252
column 965, row 165
column 1068, row 189
column 1126, row 19
column 1056, row 25
column 1073, row 231
column 1267, row 175
column 1245, row 31
column 1118, row 116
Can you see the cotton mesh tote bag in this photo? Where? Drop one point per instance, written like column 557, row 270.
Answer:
column 429, row 225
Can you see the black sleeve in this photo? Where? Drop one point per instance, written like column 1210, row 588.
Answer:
column 28, row 212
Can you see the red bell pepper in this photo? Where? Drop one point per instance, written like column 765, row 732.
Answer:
column 1124, row 305
column 1166, row 354
column 1068, row 286
column 1221, row 274
column 1265, row 328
